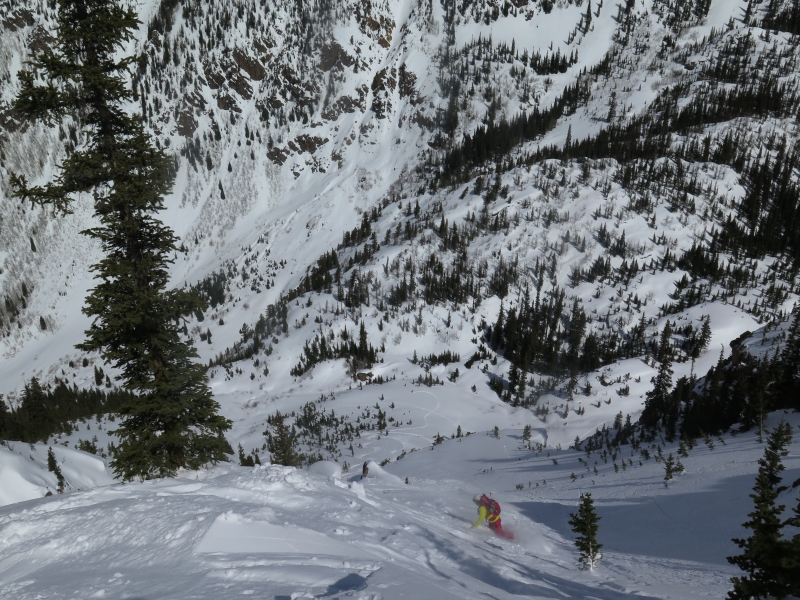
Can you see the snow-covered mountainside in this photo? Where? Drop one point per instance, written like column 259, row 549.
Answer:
column 510, row 214
column 292, row 123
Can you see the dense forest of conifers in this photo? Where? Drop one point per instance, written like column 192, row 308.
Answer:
column 739, row 390
column 44, row 412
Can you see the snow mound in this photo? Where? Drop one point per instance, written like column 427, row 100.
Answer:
column 24, row 474
column 377, row 472
column 233, row 533
column 326, row 468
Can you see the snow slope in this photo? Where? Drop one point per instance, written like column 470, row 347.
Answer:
column 287, row 199
column 24, row 474
column 284, row 533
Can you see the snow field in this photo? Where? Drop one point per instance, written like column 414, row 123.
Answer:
column 280, row 532
column 24, row 474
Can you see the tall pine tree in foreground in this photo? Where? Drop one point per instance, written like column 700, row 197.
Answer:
column 585, row 523
column 767, row 557
column 172, row 422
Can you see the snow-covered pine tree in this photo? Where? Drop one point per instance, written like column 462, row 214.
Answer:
column 585, row 525
column 765, row 557
column 172, row 422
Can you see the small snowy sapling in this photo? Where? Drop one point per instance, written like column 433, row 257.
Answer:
column 585, row 525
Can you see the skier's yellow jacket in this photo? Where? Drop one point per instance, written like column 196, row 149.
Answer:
column 484, row 514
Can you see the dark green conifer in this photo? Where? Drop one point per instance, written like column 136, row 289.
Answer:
column 172, row 423
column 791, row 562
column 786, row 390
column 281, row 444
column 669, row 469
column 657, row 403
column 37, row 422
column 381, row 420
column 766, row 554
column 4, row 420
column 585, row 525
column 52, row 466
column 246, row 461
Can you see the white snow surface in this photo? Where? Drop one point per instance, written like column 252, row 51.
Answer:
column 24, row 474
column 279, row 532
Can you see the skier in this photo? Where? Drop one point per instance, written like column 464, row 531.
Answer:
column 489, row 510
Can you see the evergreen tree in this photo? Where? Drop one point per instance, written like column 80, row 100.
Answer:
column 682, row 451
column 4, row 419
column 52, row 466
column 172, row 422
column 585, row 525
column 526, row 433
column 786, row 391
column 281, row 444
column 381, row 420
column 612, row 108
column 791, row 563
column 766, row 555
column 37, row 419
column 670, row 468
column 657, row 404
column 577, row 328
column 245, row 461
column 705, row 337
column 44, row 413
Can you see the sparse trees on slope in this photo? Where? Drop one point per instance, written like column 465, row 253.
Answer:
column 766, row 555
column 173, row 420
column 585, row 525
